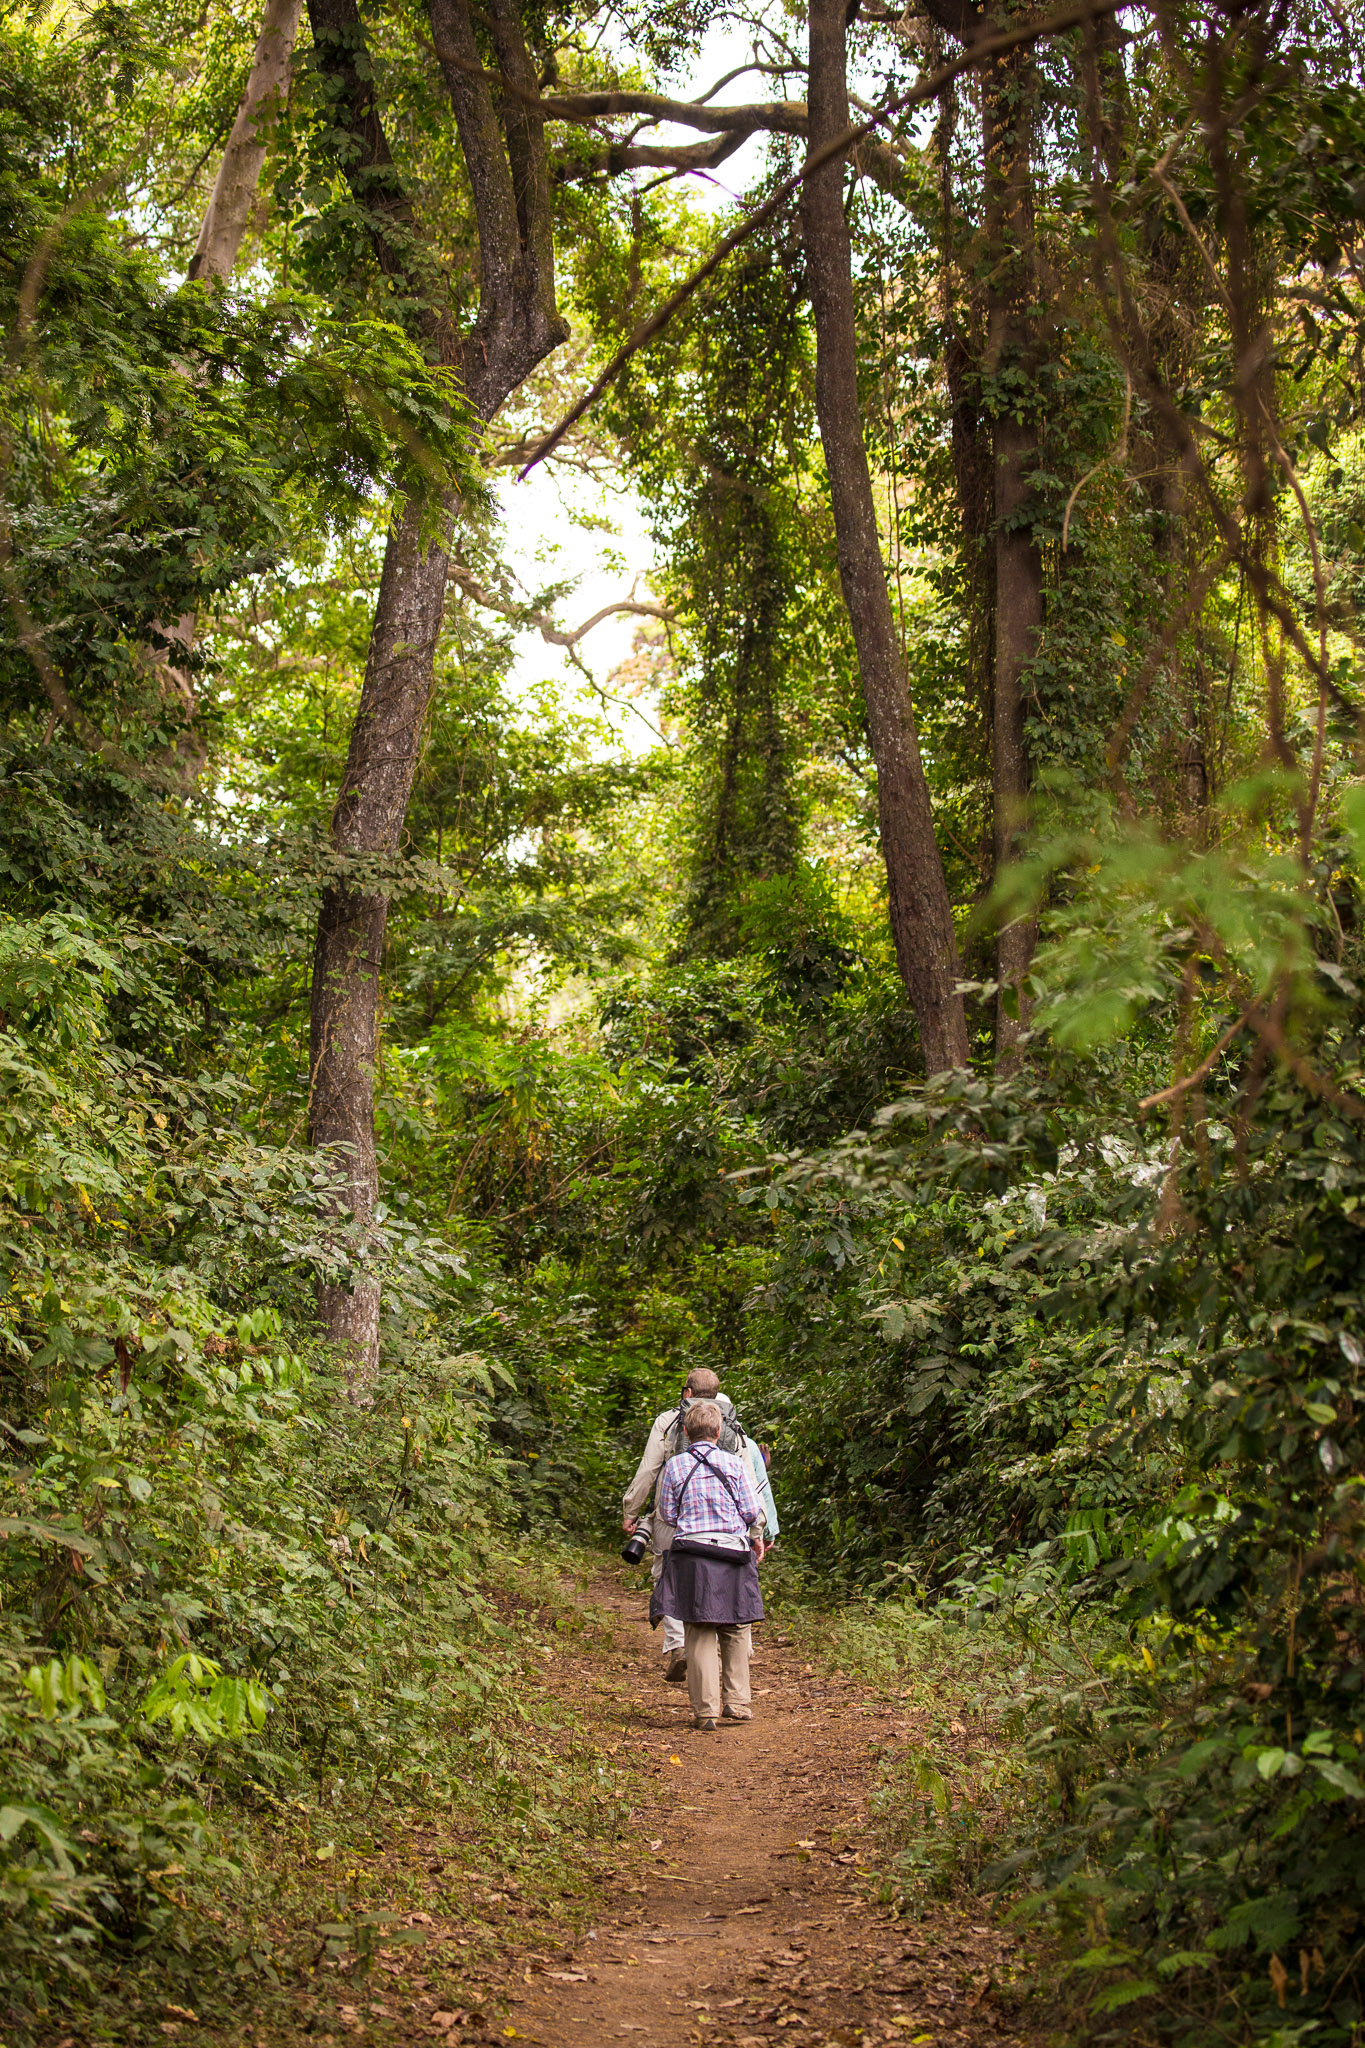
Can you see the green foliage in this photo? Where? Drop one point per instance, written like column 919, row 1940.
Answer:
column 193, row 1515
column 723, row 422
column 156, row 444
column 1119, row 1358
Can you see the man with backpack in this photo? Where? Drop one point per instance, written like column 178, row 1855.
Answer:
column 710, row 1577
column 667, row 1439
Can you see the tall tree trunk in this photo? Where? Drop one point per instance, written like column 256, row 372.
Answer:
column 239, row 174
column 517, row 326
column 962, row 314
column 921, row 914
column 1018, row 622
column 1011, row 344
column 381, row 762
column 385, row 740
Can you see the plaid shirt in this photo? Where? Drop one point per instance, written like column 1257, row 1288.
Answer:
column 708, row 1503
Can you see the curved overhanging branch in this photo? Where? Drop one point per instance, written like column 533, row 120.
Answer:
column 611, row 159
column 778, row 117
column 553, row 634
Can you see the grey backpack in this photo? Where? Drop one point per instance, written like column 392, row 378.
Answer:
column 732, row 1437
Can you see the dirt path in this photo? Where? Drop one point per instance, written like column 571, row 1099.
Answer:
column 746, row 1920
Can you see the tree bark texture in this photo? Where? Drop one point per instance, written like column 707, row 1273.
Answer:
column 921, row 914
column 233, row 199
column 1011, row 346
column 507, row 163
column 962, row 314
column 517, row 326
column 381, row 761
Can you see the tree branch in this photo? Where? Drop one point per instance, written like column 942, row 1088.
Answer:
column 779, row 117
column 524, row 615
column 518, row 323
column 610, row 159
column 918, row 96
column 239, row 174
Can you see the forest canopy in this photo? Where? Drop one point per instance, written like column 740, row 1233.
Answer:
column 921, row 979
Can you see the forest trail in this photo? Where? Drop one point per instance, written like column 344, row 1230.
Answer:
column 746, row 1919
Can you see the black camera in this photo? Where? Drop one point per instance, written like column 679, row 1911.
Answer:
column 637, row 1543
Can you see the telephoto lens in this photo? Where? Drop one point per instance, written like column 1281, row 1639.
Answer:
column 637, row 1543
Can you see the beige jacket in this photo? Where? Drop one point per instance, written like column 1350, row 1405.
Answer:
column 657, row 1452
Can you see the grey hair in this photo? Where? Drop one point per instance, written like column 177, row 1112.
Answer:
column 702, row 1420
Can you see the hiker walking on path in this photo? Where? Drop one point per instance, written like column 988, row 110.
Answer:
column 665, row 1440
column 709, row 1579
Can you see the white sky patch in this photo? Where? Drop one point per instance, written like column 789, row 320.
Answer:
column 544, row 542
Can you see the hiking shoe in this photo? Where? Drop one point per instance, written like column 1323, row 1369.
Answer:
column 737, row 1714
column 707, row 1725
column 675, row 1668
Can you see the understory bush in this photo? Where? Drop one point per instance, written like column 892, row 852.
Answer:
column 1032, row 1343
column 224, row 1580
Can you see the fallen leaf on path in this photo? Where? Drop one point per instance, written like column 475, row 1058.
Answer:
column 676, row 1760
column 566, row 1976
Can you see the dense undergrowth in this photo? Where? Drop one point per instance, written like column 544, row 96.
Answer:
column 234, row 1599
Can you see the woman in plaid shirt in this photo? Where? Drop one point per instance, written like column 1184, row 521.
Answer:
column 710, row 1575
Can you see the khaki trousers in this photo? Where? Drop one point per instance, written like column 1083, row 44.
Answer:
column 717, row 1668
